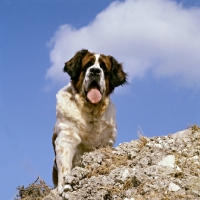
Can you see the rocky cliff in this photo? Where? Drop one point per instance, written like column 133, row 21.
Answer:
column 158, row 168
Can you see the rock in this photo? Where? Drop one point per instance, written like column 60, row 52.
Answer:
column 165, row 167
column 173, row 187
column 53, row 195
column 168, row 161
column 67, row 188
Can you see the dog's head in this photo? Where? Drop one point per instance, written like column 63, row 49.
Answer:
column 94, row 75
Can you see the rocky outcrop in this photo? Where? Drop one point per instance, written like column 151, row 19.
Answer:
column 166, row 167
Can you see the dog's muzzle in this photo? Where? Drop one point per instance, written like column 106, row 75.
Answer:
column 93, row 90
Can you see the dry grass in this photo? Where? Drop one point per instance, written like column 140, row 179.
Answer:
column 142, row 139
column 113, row 190
column 35, row 191
column 128, row 184
column 103, row 169
column 195, row 128
column 112, row 161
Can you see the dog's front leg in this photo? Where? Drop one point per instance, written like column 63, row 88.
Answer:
column 65, row 148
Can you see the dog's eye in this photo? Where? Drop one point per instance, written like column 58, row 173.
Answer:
column 103, row 66
column 88, row 64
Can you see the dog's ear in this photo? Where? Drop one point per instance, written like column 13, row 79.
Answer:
column 73, row 66
column 117, row 75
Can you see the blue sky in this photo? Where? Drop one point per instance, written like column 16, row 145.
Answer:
column 158, row 42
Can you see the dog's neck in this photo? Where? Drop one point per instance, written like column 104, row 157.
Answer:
column 85, row 105
column 95, row 109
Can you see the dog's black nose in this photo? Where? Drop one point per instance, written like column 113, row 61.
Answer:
column 95, row 70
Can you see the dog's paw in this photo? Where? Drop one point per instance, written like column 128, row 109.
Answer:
column 60, row 189
column 66, row 188
column 65, row 196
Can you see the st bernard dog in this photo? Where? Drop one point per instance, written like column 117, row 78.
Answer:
column 85, row 114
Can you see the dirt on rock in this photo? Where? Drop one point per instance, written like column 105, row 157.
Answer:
column 158, row 168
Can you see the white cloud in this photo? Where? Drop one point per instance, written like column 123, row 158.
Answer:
column 159, row 36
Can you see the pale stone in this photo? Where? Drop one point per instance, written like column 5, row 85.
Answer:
column 178, row 168
column 159, row 146
column 67, row 188
column 168, row 161
column 173, row 187
column 181, row 134
column 125, row 174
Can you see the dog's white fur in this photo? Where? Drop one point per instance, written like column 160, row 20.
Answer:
column 79, row 129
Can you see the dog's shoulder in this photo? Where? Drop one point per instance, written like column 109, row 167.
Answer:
column 66, row 101
column 65, row 94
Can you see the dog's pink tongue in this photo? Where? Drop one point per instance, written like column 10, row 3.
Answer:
column 94, row 95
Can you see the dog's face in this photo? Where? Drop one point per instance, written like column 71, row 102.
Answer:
column 94, row 76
